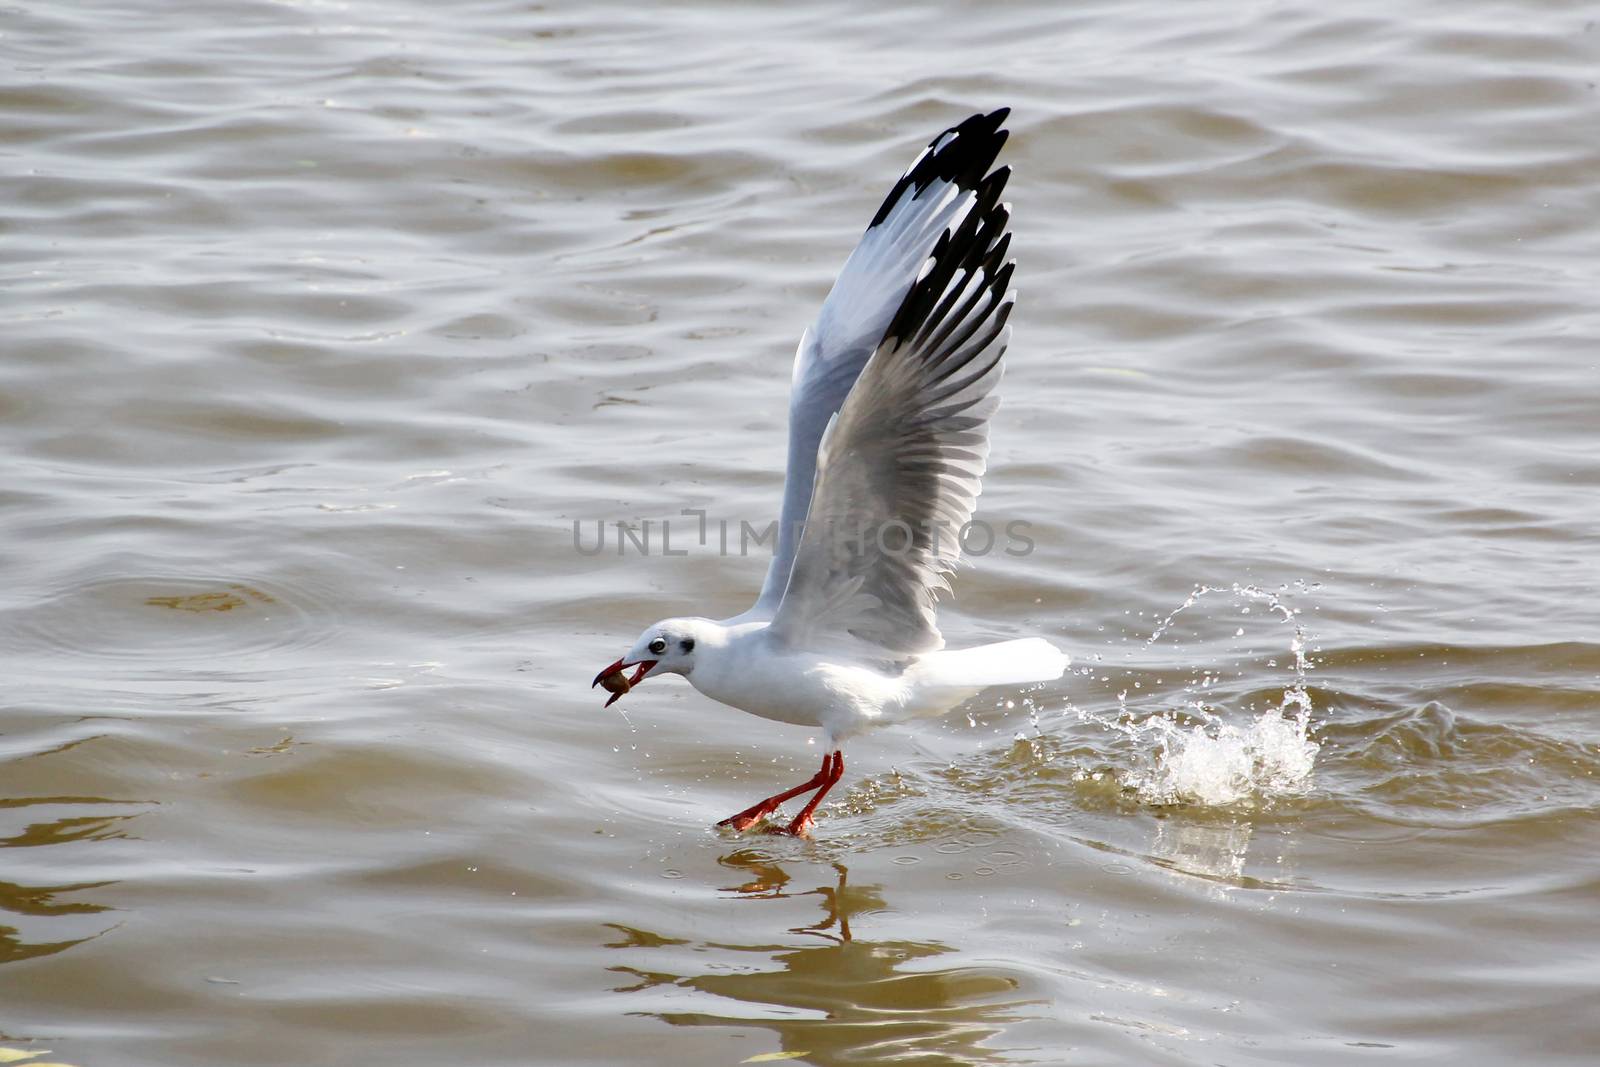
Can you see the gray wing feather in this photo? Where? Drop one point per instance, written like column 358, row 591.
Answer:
column 901, row 464
column 937, row 193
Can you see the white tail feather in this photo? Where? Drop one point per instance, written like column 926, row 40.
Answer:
column 1030, row 659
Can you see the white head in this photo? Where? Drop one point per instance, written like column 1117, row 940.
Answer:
column 666, row 647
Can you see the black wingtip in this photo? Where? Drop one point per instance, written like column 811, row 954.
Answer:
column 961, row 154
column 931, row 309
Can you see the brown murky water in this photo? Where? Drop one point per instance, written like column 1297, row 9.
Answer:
column 324, row 322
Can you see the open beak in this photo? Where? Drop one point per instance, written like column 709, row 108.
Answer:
column 616, row 682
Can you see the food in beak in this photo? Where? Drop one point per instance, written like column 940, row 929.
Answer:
column 616, row 682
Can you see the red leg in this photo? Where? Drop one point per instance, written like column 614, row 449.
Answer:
column 801, row 827
column 758, row 811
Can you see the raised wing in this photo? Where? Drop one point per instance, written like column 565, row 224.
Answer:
column 937, row 193
column 900, row 465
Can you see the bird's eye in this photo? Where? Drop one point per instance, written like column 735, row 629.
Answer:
column 686, row 645
column 659, row 645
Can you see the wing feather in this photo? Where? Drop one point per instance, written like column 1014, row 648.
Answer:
column 939, row 196
column 900, row 467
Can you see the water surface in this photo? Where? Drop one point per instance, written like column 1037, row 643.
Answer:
column 323, row 322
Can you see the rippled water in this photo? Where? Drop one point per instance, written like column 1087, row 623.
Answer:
column 323, row 322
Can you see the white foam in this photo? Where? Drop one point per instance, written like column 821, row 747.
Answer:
column 1221, row 764
column 1194, row 756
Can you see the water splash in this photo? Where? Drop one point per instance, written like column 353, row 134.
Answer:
column 1193, row 755
column 1218, row 764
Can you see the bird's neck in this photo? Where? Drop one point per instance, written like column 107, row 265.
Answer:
column 725, row 654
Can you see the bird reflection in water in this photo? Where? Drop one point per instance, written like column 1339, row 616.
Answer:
column 833, row 998
column 38, row 910
column 769, row 879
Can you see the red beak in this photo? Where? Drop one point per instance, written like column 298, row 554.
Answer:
column 613, row 669
column 644, row 666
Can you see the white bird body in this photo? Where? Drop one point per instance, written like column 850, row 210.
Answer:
column 888, row 435
column 797, row 686
column 744, row 667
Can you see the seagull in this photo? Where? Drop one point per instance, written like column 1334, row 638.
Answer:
column 893, row 390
